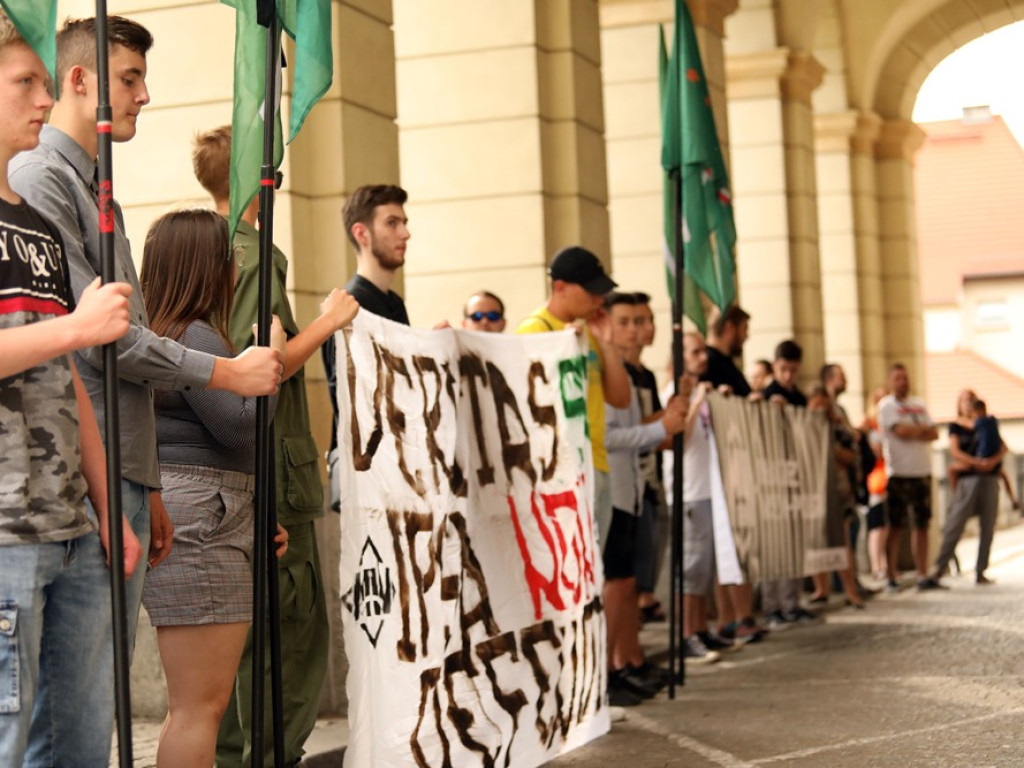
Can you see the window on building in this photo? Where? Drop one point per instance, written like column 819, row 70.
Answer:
column 990, row 315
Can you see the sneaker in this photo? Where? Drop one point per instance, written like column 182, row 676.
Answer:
column 617, row 714
column 804, row 617
column 717, row 643
column 655, row 677
column 982, row 580
column 892, row 586
column 776, row 622
column 927, row 583
column 748, row 631
column 695, row 652
column 626, row 679
column 619, row 698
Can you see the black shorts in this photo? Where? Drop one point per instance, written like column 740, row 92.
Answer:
column 909, row 492
column 620, row 549
column 876, row 516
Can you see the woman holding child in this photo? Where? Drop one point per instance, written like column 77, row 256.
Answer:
column 974, row 480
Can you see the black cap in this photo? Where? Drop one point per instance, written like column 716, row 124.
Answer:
column 578, row 265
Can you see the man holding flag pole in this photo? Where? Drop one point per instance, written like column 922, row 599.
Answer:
column 699, row 230
column 299, row 645
column 61, row 178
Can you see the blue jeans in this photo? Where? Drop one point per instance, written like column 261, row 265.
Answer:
column 56, row 688
column 57, row 664
column 135, row 506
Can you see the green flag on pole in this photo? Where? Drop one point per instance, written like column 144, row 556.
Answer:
column 689, row 146
column 308, row 23
column 36, row 21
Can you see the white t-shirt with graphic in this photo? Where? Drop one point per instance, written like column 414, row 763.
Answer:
column 904, row 458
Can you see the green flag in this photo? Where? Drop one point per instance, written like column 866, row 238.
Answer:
column 36, row 21
column 308, row 22
column 689, row 146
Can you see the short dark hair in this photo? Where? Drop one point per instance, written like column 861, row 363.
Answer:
column 642, row 298
column 614, row 298
column 487, row 295
column 978, row 405
column 364, row 201
column 731, row 315
column 211, row 161
column 790, row 351
column 766, row 364
column 896, row 367
column 76, row 41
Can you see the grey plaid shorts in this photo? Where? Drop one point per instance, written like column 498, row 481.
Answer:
column 207, row 579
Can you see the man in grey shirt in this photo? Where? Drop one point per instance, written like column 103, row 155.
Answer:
column 58, row 178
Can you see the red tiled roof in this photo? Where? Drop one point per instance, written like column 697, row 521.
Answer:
column 970, row 193
column 950, row 372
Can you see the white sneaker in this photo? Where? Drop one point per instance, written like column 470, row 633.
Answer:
column 695, row 652
column 617, row 714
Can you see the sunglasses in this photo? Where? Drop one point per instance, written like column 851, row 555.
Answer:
column 494, row 316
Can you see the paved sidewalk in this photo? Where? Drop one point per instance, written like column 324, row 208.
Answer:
column 918, row 679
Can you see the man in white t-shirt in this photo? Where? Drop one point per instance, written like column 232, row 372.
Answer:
column 907, row 430
column 699, row 644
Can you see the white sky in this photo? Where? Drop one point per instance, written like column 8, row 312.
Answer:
column 985, row 71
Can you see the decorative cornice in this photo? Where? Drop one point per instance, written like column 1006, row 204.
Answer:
column 778, row 72
column 710, row 14
column 852, row 131
column 803, row 75
column 899, row 140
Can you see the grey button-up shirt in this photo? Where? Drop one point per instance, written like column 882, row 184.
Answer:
column 57, row 179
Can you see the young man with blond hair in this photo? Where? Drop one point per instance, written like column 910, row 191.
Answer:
column 305, row 635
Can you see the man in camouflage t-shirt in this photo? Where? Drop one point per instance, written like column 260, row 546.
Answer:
column 55, row 615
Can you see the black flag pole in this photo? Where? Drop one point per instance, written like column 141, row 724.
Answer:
column 676, row 602
column 266, row 597
column 112, row 420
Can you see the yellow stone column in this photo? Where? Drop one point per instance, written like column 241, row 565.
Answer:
column 502, row 146
column 775, row 198
column 903, row 321
column 349, row 139
column 851, row 287
column 629, row 45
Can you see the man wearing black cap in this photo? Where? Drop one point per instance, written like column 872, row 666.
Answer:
column 578, row 286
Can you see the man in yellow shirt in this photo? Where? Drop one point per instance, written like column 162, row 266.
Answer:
column 578, row 286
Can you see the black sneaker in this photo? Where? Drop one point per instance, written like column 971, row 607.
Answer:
column 801, row 616
column 748, row 631
column 627, row 680
column 928, row 583
column 620, row 697
column 655, row 677
column 982, row 580
column 713, row 643
column 892, row 586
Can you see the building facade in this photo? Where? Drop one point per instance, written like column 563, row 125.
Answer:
column 520, row 126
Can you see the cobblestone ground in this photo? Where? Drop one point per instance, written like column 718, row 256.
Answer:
column 918, row 680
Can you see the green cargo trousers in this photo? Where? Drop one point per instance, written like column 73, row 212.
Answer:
column 305, row 641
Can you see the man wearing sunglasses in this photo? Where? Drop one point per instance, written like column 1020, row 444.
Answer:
column 484, row 312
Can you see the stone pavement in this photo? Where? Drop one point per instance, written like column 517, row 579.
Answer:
column 918, row 679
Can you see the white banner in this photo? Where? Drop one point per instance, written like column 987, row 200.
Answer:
column 470, row 576
column 774, row 463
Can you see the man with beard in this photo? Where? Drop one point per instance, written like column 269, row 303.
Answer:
column 377, row 226
column 727, row 333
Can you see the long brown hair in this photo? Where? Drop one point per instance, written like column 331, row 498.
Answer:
column 188, row 273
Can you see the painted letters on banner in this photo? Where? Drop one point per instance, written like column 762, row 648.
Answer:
column 774, row 466
column 471, row 586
